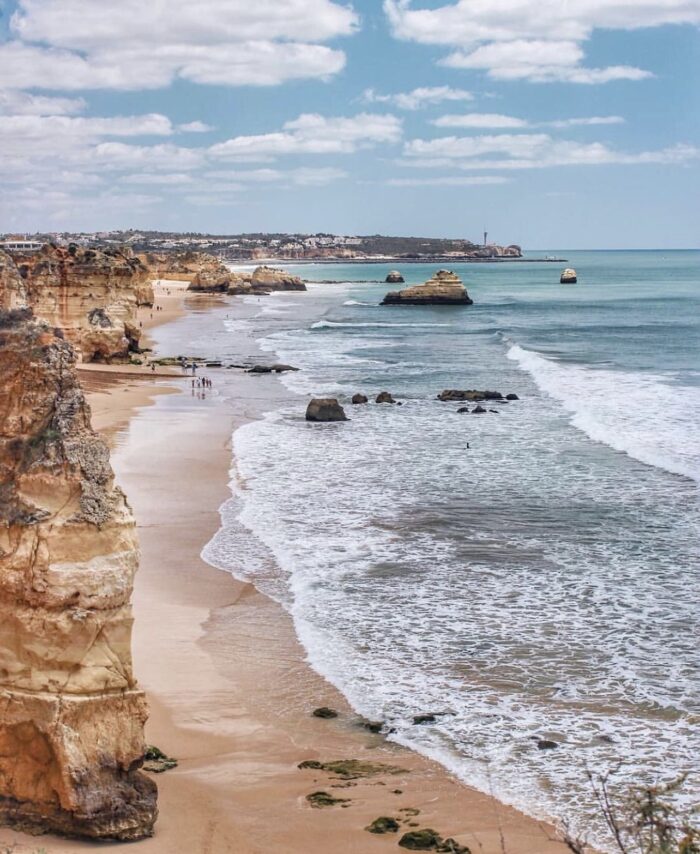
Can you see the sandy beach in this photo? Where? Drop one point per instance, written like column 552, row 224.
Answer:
column 231, row 695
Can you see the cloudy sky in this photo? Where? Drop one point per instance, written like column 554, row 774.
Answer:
column 561, row 123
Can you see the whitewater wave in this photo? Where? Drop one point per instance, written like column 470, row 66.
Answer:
column 642, row 415
column 358, row 302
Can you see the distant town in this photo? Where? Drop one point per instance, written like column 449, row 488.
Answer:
column 278, row 247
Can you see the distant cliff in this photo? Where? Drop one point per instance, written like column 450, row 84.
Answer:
column 92, row 295
column 71, row 714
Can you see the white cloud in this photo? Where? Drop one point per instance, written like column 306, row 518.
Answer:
column 82, row 44
column 587, row 121
column 518, row 39
column 449, row 181
column 418, row 98
column 168, row 179
column 498, row 120
column 479, row 120
column 531, row 151
column 539, row 62
column 195, row 127
column 24, row 104
column 315, row 134
column 304, row 176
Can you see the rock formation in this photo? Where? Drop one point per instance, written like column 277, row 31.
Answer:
column 394, row 278
column 325, row 409
column 93, row 295
column 273, row 279
column 568, row 277
column 13, row 290
column 71, row 714
column 444, row 288
column 358, row 399
column 384, row 397
column 468, row 394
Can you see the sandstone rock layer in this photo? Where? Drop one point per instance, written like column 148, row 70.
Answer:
column 71, row 713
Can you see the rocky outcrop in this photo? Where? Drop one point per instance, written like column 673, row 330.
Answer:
column 358, row 399
column 92, row 295
column 273, row 279
column 568, row 277
column 325, row 409
column 213, row 276
column 444, row 288
column 71, row 714
column 384, row 397
column 394, row 278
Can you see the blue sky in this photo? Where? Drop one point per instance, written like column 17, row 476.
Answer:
column 558, row 124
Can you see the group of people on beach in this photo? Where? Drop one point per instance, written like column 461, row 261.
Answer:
column 202, row 382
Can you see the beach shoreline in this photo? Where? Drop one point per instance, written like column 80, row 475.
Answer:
column 230, row 691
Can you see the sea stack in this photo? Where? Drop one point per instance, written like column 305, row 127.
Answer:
column 72, row 716
column 568, row 276
column 394, row 278
column 444, row 288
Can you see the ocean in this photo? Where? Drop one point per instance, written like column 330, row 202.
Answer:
column 526, row 575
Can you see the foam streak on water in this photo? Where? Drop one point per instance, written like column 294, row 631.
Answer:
column 531, row 574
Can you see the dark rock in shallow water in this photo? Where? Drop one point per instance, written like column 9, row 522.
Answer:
column 384, row 397
column 546, row 744
column 269, row 369
column 372, row 726
column 568, row 277
column 323, row 799
column 495, row 411
column 359, row 398
column 424, row 719
column 468, row 394
column 324, row 712
column 325, row 409
column 512, row 396
column 463, row 409
column 383, row 824
column 478, row 410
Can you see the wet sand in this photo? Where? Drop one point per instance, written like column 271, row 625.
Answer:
column 230, row 692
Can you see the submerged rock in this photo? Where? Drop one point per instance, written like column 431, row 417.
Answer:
column 323, row 799
column 546, row 744
column 445, row 288
column 324, row 712
column 358, row 399
column 424, row 719
column 325, row 409
column 568, row 277
column 72, row 721
column 452, row 394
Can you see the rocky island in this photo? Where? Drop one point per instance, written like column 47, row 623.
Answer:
column 444, row 288
column 72, row 719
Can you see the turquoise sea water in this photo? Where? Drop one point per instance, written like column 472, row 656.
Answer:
column 531, row 574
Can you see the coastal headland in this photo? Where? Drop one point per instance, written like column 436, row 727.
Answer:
column 230, row 693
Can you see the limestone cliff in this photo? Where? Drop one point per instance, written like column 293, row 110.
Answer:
column 71, row 714
column 13, row 291
column 444, row 288
column 93, row 295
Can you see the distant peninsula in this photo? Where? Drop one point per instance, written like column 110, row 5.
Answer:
column 243, row 248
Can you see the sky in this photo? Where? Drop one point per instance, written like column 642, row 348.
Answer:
column 556, row 124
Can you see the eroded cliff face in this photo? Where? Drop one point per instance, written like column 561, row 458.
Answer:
column 92, row 295
column 13, row 291
column 71, row 714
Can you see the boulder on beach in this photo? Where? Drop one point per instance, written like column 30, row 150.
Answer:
column 444, row 288
column 384, row 397
column 359, row 398
column 394, row 278
column 568, row 276
column 325, row 409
